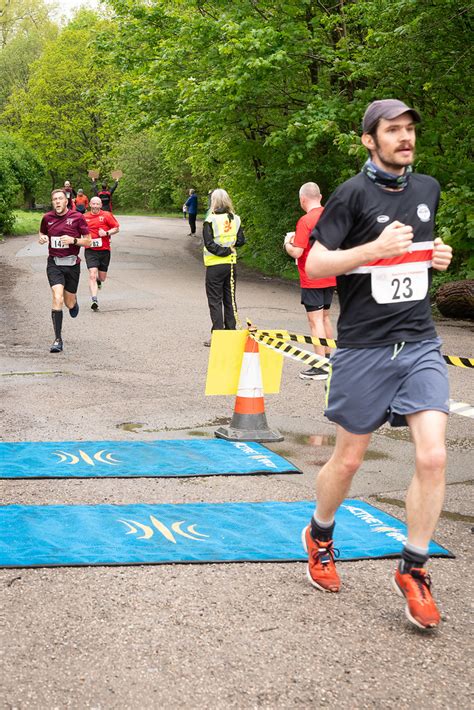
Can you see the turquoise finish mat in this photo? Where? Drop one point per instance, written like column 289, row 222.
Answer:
column 65, row 535
column 173, row 457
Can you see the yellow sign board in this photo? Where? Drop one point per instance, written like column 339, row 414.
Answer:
column 225, row 360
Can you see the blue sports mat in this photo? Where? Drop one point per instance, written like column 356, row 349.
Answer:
column 176, row 457
column 57, row 535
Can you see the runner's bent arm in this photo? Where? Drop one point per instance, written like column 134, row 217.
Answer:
column 442, row 255
column 394, row 240
column 112, row 227
column 84, row 241
column 294, row 252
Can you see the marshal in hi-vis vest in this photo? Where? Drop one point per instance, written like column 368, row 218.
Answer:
column 225, row 234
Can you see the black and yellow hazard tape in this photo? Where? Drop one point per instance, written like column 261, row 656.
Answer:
column 467, row 362
column 304, row 356
column 284, row 335
column 459, row 361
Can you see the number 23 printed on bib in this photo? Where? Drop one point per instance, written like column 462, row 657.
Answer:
column 399, row 284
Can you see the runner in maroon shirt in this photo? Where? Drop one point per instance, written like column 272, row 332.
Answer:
column 65, row 231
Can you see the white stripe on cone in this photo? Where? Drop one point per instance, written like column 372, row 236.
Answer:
column 250, row 382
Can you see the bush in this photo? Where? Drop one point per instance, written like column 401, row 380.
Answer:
column 19, row 172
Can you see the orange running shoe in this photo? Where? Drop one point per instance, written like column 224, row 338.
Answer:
column 415, row 586
column 321, row 569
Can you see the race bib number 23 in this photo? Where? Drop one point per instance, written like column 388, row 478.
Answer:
column 398, row 284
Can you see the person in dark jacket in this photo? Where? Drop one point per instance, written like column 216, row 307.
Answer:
column 222, row 234
column 105, row 194
column 191, row 205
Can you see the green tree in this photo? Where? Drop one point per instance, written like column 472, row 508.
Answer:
column 62, row 112
column 18, row 16
column 147, row 183
column 20, row 171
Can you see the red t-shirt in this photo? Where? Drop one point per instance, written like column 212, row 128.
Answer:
column 71, row 224
column 101, row 220
column 304, row 227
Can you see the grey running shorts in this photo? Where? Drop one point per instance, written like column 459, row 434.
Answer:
column 370, row 386
column 315, row 299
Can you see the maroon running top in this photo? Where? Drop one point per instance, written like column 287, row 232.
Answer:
column 70, row 224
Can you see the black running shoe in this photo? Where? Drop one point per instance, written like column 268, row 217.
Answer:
column 57, row 346
column 95, row 306
column 74, row 310
column 99, row 283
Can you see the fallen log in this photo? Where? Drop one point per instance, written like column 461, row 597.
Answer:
column 456, row 299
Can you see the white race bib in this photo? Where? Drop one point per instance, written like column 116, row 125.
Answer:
column 400, row 283
column 56, row 243
column 97, row 242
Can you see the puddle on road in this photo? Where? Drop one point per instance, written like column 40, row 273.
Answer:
column 137, row 427
column 399, row 434
column 327, row 441
column 23, row 374
column 447, row 514
column 130, row 426
column 403, row 434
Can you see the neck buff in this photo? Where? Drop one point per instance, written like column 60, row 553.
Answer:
column 380, row 177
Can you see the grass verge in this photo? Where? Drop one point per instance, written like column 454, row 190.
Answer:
column 26, row 222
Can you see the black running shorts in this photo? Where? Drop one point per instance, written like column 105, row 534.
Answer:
column 315, row 299
column 67, row 276
column 97, row 259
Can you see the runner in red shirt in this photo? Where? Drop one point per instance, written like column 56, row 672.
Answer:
column 102, row 225
column 65, row 231
column 316, row 294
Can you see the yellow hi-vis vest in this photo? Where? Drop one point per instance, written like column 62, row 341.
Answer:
column 225, row 234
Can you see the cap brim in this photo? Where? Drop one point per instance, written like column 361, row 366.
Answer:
column 396, row 112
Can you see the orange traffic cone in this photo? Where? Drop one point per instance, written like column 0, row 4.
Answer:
column 249, row 422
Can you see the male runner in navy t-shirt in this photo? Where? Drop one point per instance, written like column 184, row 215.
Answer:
column 65, row 231
column 376, row 236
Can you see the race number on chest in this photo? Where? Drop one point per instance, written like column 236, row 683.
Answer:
column 56, row 243
column 400, row 283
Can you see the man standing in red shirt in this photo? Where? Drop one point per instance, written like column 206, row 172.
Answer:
column 102, row 225
column 316, row 294
column 66, row 231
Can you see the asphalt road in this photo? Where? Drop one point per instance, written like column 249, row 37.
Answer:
column 222, row 635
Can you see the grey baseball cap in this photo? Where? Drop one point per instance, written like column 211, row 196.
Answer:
column 388, row 109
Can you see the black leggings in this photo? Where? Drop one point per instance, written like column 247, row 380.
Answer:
column 219, row 296
column 192, row 222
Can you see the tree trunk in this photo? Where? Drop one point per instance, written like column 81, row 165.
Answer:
column 456, row 299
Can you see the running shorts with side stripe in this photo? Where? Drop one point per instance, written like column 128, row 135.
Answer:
column 370, row 386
